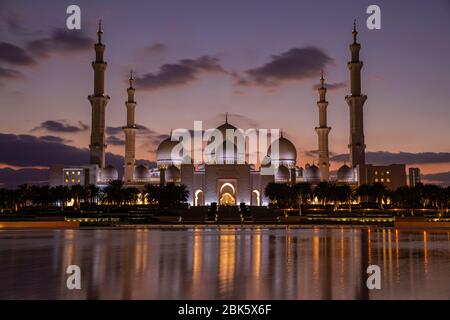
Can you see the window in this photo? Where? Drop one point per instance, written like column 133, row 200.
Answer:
column 388, row 180
column 67, row 173
column 73, row 180
column 376, row 173
column 79, row 172
column 388, row 172
column 67, row 180
column 376, row 180
column 79, row 181
column 73, row 172
column 382, row 180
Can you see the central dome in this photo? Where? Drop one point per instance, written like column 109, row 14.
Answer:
column 164, row 154
column 286, row 151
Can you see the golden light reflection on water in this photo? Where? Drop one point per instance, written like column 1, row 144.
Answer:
column 226, row 263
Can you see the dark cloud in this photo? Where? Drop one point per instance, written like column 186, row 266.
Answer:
column 315, row 153
column 178, row 74
column 54, row 139
column 156, row 48
column 296, row 64
column 332, row 86
column 10, row 178
column 115, row 141
column 31, row 151
column 61, row 126
column 6, row 73
column 61, row 41
column 385, row 158
column 147, row 136
column 442, row 178
column 15, row 55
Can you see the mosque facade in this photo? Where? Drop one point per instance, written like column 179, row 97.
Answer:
column 222, row 178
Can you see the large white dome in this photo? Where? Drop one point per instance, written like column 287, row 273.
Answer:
column 164, row 154
column 286, row 151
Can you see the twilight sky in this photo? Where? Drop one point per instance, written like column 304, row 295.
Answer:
column 195, row 60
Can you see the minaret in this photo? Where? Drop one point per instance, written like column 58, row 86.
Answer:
column 322, row 132
column 98, row 102
column 356, row 102
column 130, row 134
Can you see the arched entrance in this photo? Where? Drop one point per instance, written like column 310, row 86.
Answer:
column 227, row 200
column 199, row 199
column 256, row 198
column 227, row 194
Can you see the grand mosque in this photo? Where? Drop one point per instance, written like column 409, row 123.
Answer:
column 223, row 179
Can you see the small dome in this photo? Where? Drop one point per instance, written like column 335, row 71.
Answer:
column 286, row 151
column 141, row 173
column 312, row 173
column 164, row 152
column 345, row 174
column 109, row 173
column 282, row 174
column 172, row 174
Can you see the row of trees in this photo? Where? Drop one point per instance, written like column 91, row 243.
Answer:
column 294, row 196
column 45, row 197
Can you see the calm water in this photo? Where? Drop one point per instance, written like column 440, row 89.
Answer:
column 225, row 263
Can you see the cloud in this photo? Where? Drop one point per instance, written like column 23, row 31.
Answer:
column 61, row 126
column 15, row 55
column 147, row 136
column 115, row 141
column 296, row 64
column 60, row 41
column 6, row 73
column 10, row 178
column 338, row 86
column 315, row 153
column 385, row 158
column 31, row 151
column 178, row 74
column 156, row 48
column 442, row 178
column 54, row 139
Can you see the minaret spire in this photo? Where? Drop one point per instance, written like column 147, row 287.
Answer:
column 100, row 31
column 356, row 102
column 322, row 132
column 354, row 32
column 130, row 133
column 226, row 117
column 98, row 102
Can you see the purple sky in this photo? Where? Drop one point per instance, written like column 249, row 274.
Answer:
column 216, row 57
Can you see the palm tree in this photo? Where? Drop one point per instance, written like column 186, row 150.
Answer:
column 152, row 193
column 303, row 193
column 61, row 195
column 322, row 191
column 78, row 193
column 131, row 195
column 93, row 193
column 363, row 192
column 114, row 192
column 169, row 196
column 279, row 194
column 379, row 192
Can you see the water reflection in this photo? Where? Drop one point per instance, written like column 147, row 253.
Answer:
column 225, row 263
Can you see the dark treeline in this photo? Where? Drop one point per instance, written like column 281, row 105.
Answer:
column 169, row 196
column 295, row 196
